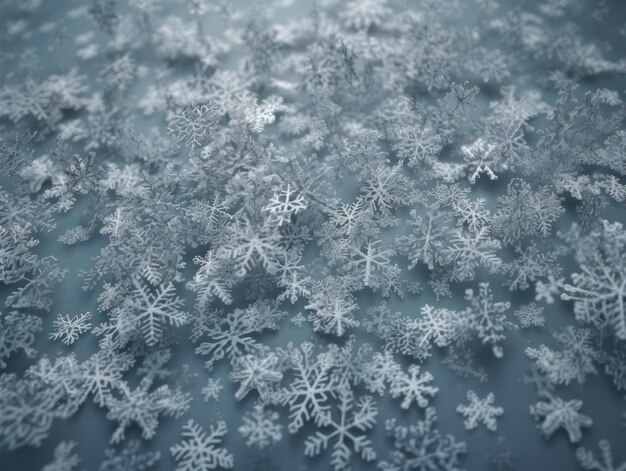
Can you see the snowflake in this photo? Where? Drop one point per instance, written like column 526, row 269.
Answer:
column 194, row 124
column 298, row 320
column 29, row 405
column 528, row 266
column 209, row 282
column 429, row 236
column 212, row 389
column 472, row 215
column 548, row 290
column 15, row 257
column 599, row 291
column 386, row 188
column 418, row 143
column 39, row 287
column 439, row 326
column 403, row 335
column 371, row 263
column 381, row 369
column 75, row 235
column 460, row 99
column 105, row 16
column 422, row 447
column 295, row 285
column 68, row 329
column 469, row 250
column 14, row 151
column 556, row 413
column 17, row 332
column 523, row 212
column 487, row 318
column 199, row 451
column 255, row 372
column 347, row 429
column 483, row 157
column 313, row 384
column 144, row 407
column 103, row 371
column 284, row 204
column 250, row 245
column 210, row 215
column 587, row 460
column 64, row 458
column 152, row 309
column 574, row 361
column 260, row 427
column 232, row 334
column 332, row 312
column 480, row 410
column 413, row 387
column 530, row 315
column 258, row 116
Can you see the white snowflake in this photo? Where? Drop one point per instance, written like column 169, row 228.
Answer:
column 255, row 372
column 556, row 413
column 199, row 451
column 313, row 385
column 413, row 387
column 483, row 157
column 530, row 315
column 153, row 309
column 260, row 427
column 480, row 410
column 487, row 317
column 212, row 389
column 347, row 430
column 284, row 204
column 193, row 125
column 68, row 329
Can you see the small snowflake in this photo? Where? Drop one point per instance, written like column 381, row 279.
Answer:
column 460, row 99
column 530, row 315
column 547, row 291
column 284, row 204
column 260, row 427
column 68, row 329
column 414, row 387
column 193, row 125
column 212, row 390
column 481, row 157
column 255, row 372
column 480, row 410
column 298, row 320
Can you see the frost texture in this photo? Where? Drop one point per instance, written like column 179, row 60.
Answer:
column 300, row 221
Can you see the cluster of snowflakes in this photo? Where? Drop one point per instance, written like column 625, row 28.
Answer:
column 303, row 175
